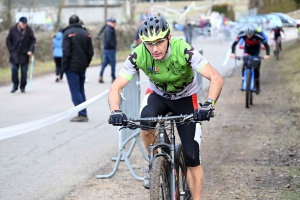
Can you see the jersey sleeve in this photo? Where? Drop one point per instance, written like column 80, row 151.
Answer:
column 130, row 65
column 194, row 58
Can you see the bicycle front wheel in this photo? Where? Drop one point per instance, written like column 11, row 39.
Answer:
column 248, row 91
column 182, row 186
column 160, row 179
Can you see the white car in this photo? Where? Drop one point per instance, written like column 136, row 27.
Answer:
column 273, row 21
column 285, row 19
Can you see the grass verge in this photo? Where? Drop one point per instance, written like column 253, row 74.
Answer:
column 42, row 68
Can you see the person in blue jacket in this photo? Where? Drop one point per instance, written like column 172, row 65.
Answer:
column 258, row 29
column 57, row 54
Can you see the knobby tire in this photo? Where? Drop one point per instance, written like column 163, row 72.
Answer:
column 181, row 173
column 248, row 91
column 160, row 179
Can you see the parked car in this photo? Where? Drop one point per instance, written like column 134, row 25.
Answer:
column 274, row 20
column 285, row 19
column 254, row 19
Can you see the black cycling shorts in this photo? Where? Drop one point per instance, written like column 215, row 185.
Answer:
column 190, row 134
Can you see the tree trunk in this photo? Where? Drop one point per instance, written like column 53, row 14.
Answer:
column 58, row 16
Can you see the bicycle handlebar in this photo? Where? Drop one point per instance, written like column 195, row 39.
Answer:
column 180, row 118
column 241, row 57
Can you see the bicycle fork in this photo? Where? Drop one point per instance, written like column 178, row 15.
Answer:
column 167, row 145
column 248, row 70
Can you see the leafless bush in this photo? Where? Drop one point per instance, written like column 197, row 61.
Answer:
column 4, row 55
column 43, row 47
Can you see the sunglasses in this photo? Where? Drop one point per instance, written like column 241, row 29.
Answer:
column 157, row 43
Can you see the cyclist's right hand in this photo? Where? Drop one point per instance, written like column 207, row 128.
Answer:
column 266, row 57
column 117, row 118
column 232, row 55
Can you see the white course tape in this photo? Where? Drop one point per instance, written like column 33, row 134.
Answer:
column 227, row 57
column 20, row 129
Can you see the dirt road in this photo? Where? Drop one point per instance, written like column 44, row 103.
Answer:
column 247, row 153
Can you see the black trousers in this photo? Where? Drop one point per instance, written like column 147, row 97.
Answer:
column 58, row 72
column 15, row 75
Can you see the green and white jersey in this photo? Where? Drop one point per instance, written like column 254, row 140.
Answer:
column 175, row 76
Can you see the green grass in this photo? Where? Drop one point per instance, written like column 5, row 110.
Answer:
column 41, row 68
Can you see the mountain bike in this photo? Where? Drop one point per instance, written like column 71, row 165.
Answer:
column 167, row 168
column 251, row 63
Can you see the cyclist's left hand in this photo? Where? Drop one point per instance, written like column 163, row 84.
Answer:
column 266, row 57
column 203, row 113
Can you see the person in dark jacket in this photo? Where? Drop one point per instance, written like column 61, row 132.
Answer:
column 57, row 53
column 20, row 43
column 77, row 55
column 188, row 31
column 109, row 52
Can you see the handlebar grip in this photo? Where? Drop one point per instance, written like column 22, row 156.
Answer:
column 212, row 114
column 110, row 121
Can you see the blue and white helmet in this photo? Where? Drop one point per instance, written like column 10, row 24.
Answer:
column 249, row 29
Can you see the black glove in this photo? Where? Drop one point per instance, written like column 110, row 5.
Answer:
column 117, row 118
column 203, row 113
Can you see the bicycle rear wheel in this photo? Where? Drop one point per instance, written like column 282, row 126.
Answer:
column 248, row 92
column 183, row 189
column 160, row 179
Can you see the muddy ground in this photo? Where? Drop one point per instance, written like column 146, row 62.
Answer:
column 247, row 153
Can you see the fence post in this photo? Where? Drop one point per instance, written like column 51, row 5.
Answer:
column 200, row 82
column 130, row 106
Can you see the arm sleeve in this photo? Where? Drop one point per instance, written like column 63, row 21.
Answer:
column 90, row 51
column 265, row 43
column 101, row 30
column 8, row 41
column 233, row 46
column 66, row 52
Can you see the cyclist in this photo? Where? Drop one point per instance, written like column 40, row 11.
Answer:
column 258, row 29
column 171, row 66
column 253, row 40
column 277, row 36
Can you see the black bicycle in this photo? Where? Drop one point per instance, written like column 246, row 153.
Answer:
column 251, row 63
column 167, row 167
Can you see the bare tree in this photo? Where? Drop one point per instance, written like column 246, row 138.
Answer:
column 6, row 15
column 105, row 9
column 132, row 5
column 58, row 15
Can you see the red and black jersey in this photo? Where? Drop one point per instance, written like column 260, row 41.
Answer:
column 277, row 32
column 252, row 45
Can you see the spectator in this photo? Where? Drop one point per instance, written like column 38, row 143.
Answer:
column 77, row 55
column 188, row 31
column 109, row 52
column 57, row 54
column 83, row 26
column 20, row 43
